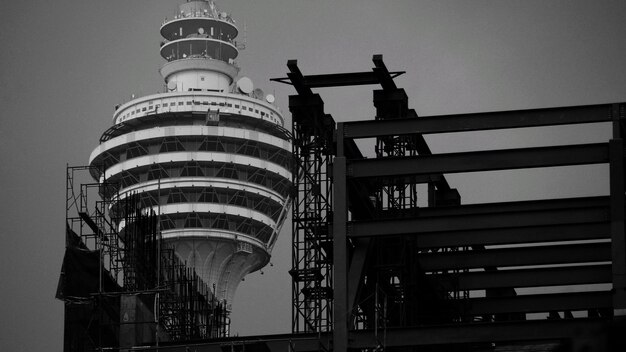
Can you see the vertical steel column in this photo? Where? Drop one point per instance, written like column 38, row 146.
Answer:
column 311, row 271
column 340, row 284
column 618, row 246
column 393, row 104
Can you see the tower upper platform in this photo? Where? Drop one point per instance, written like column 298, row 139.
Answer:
column 199, row 39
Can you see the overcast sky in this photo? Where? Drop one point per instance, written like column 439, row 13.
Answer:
column 66, row 64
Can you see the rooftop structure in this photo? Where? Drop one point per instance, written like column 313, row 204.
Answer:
column 209, row 156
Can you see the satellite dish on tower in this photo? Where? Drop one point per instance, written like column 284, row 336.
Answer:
column 244, row 84
column 171, row 86
column 270, row 98
column 258, row 93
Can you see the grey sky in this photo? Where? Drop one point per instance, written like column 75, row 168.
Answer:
column 65, row 64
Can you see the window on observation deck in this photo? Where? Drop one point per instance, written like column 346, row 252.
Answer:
column 250, row 148
column 259, row 177
column 128, row 179
column 228, row 171
column 220, row 222
column 135, row 150
column 264, row 234
column 166, row 223
column 171, row 145
column 192, row 168
column 157, row 172
column 210, row 145
column 263, row 206
column 193, row 220
column 176, row 196
column 208, row 195
column 239, row 198
column 281, row 157
column 147, row 200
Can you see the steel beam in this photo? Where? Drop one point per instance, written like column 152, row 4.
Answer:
column 516, row 256
column 345, row 79
column 297, row 79
column 303, row 84
column 618, row 228
column 476, row 333
column 337, row 79
column 519, row 331
column 514, row 235
column 518, row 206
column 355, row 271
column 421, row 225
column 480, row 161
column 268, row 343
column 384, row 76
column 341, row 311
column 480, row 121
column 538, row 303
column 539, row 277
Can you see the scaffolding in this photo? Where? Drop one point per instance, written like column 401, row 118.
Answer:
column 311, row 271
column 121, row 286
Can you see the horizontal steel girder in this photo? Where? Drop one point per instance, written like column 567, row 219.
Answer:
column 480, row 161
column 538, row 303
column 531, row 331
column 516, row 256
column 475, row 333
column 267, row 343
column 303, row 84
column 515, row 235
column 538, row 277
column 519, row 206
column 506, row 216
column 344, row 79
column 479, row 121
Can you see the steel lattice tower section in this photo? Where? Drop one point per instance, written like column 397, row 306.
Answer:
column 313, row 150
column 210, row 155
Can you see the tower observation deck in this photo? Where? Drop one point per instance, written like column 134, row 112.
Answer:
column 209, row 155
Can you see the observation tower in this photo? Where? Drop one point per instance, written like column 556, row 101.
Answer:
column 209, row 155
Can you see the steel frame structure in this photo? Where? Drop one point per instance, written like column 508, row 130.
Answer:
column 456, row 246
column 314, row 147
